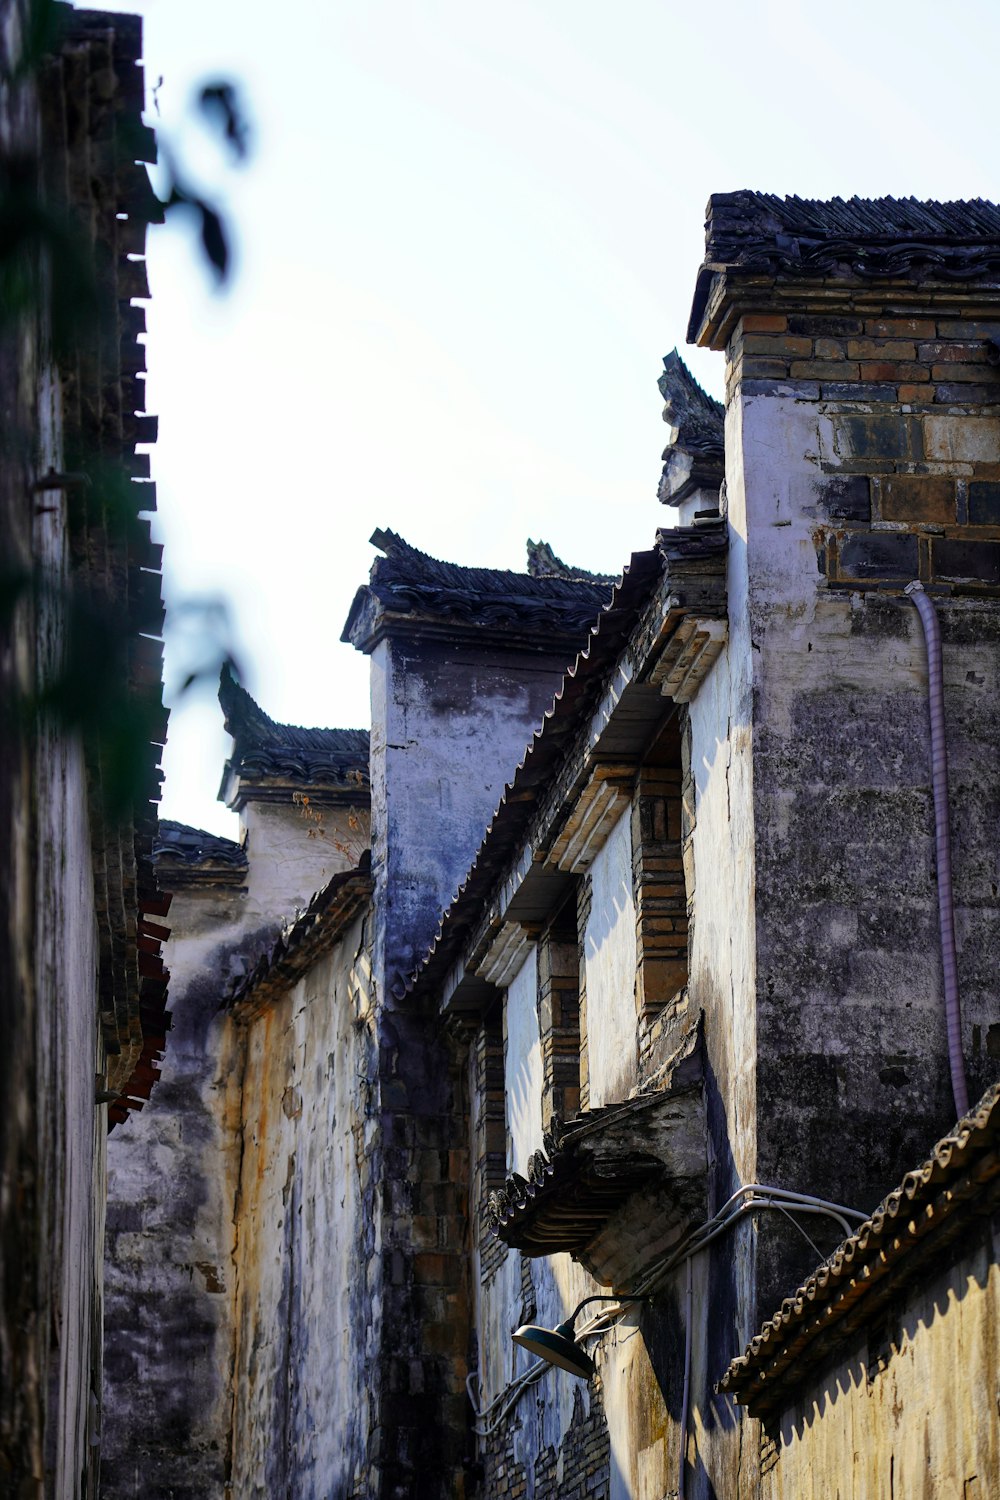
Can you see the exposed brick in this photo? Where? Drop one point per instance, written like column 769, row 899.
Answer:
column 875, row 555
column 958, row 560
column 914, row 328
column 967, row 395
column 847, row 498
column 823, row 369
column 882, row 438
column 764, row 323
column 797, row 390
column 966, row 328
column 913, row 392
column 818, row 325
column 973, row 353
column 762, row 369
column 911, row 497
column 959, row 438
column 957, row 373
column 857, row 390
column 984, row 503
column 828, row 348
column 885, row 349
column 780, row 347
column 889, row 370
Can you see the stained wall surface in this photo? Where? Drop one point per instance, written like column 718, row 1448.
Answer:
column 449, row 725
column 305, row 1304
column 171, row 1231
column 909, row 1411
column 174, row 1186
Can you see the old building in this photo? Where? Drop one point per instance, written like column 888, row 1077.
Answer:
column 82, row 983
column 662, row 971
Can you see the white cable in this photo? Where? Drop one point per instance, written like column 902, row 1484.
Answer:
column 747, row 1199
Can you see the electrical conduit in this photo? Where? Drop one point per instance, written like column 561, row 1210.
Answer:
column 942, row 840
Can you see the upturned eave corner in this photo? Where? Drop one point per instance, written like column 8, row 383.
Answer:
column 616, row 1187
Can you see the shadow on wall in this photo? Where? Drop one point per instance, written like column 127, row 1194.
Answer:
column 895, row 1331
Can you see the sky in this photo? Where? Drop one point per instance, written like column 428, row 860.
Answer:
column 465, row 238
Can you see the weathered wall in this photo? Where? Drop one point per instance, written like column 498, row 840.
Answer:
column 169, row 1280
column 173, row 1194
column 911, row 1410
column 449, row 725
column 293, row 849
column 852, row 1057
column 306, row 1290
column 52, row 1164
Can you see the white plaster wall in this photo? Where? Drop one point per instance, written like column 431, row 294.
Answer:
column 293, row 851
column 449, row 725
column 523, row 1066
column 610, row 952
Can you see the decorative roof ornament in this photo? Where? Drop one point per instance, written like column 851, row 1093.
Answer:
column 543, row 563
column 695, row 457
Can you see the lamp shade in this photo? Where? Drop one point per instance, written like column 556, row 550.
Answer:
column 557, row 1346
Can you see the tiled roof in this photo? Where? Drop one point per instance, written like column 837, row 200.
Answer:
column 933, row 1205
column 590, row 1164
column 185, row 855
column 765, row 234
column 263, row 748
column 409, row 584
column 684, row 548
column 312, row 933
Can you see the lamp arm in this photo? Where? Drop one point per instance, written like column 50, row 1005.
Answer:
column 604, row 1297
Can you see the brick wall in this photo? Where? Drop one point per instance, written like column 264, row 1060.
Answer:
column 909, row 434
column 559, row 1014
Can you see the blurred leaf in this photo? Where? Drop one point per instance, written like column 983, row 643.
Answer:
column 213, row 238
column 39, row 36
column 221, row 101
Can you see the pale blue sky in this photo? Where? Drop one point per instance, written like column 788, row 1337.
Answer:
column 466, row 238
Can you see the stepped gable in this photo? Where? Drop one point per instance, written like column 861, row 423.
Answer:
column 410, row 591
column 265, row 751
column 695, row 457
column 864, row 238
column 190, row 856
